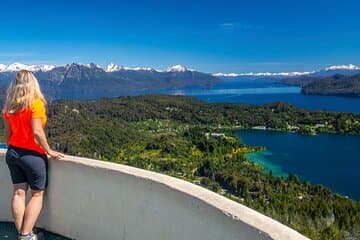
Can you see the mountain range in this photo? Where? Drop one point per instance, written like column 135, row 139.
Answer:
column 86, row 81
column 346, row 70
column 111, row 67
column 80, row 81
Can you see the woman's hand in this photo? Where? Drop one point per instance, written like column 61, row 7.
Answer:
column 54, row 154
column 40, row 137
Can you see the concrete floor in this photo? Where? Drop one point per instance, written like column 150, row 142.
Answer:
column 8, row 232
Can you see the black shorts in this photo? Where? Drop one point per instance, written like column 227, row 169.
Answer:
column 27, row 166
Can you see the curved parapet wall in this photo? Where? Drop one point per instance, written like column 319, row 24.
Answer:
column 90, row 199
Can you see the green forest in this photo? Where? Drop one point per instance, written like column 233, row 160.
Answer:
column 194, row 140
column 338, row 85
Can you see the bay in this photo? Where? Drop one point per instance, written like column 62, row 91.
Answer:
column 328, row 159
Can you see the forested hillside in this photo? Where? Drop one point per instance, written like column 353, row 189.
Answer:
column 338, row 85
column 193, row 140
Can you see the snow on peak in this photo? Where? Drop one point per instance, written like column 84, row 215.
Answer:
column 14, row 67
column 226, row 75
column 90, row 65
column 343, row 67
column 19, row 66
column 2, row 67
column 349, row 67
column 143, row 69
column 179, row 68
column 111, row 67
column 263, row 74
column 47, row 67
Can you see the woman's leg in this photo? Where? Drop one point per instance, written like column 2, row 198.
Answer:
column 18, row 204
column 35, row 167
column 32, row 211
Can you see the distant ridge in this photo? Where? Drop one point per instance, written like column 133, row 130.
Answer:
column 329, row 71
column 337, row 85
column 14, row 67
column 349, row 69
column 86, row 81
column 89, row 81
column 111, row 67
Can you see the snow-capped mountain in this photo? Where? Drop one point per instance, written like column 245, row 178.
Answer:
column 338, row 69
column 111, row 67
column 2, row 67
column 332, row 70
column 343, row 67
column 90, row 65
column 179, row 68
column 91, row 81
column 262, row 74
column 14, row 67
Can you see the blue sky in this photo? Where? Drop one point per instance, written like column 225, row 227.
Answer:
column 211, row 36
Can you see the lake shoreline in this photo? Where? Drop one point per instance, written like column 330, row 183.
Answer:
column 323, row 163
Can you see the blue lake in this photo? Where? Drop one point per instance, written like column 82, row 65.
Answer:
column 328, row 159
column 331, row 160
column 257, row 92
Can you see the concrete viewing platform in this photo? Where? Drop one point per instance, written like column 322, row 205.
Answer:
column 8, row 232
column 90, row 199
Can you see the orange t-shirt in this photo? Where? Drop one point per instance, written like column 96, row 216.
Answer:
column 21, row 134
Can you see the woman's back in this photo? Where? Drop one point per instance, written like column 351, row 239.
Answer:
column 21, row 129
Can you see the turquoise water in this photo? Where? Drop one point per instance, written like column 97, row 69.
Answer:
column 328, row 159
column 262, row 158
column 331, row 160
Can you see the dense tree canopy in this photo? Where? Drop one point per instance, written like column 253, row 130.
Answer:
column 193, row 140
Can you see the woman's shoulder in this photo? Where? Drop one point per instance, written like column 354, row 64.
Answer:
column 38, row 101
column 37, row 104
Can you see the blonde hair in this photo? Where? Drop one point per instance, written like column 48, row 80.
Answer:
column 22, row 92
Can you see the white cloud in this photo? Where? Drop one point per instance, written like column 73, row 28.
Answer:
column 240, row 26
column 227, row 24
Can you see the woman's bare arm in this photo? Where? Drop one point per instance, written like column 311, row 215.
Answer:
column 40, row 137
column 7, row 131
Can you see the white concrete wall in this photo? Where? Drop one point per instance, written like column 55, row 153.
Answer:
column 89, row 199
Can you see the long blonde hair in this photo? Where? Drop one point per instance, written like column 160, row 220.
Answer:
column 22, row 92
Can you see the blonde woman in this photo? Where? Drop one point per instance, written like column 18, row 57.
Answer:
column 25, row 119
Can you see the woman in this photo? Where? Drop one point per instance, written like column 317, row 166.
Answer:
column 25, row 119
